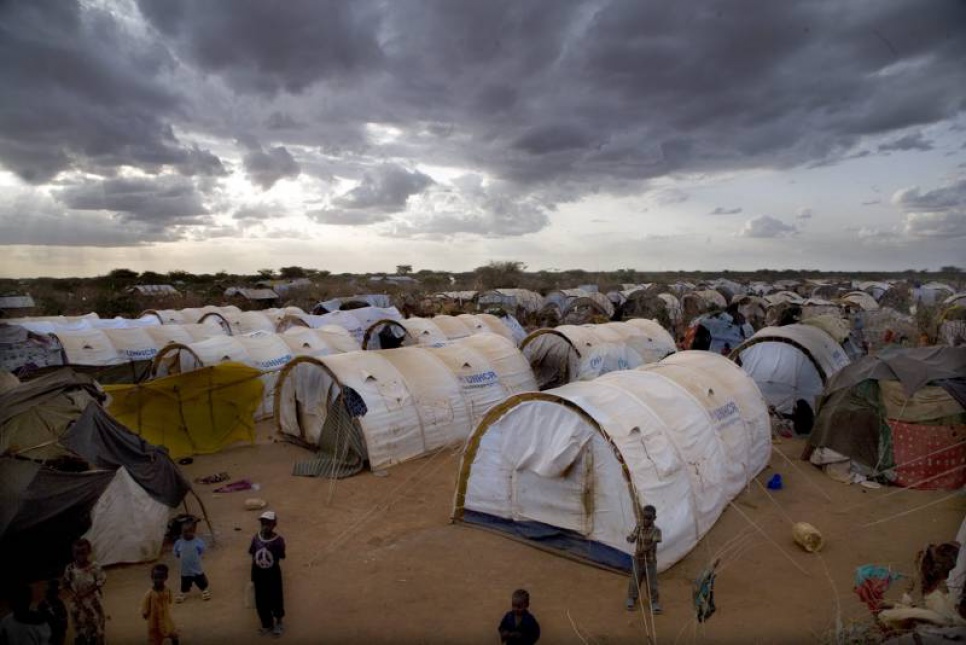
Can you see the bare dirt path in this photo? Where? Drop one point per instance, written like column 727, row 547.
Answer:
column 375, row 560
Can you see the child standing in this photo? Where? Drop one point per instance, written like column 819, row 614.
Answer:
column 83, row 584
column 188, row 549
column 518, row 626
column 268, row 550
column 646, row 537
column 156, row 608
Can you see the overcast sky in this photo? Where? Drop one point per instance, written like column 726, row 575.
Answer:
column 354, row 136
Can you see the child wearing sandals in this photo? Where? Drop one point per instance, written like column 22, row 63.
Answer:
column 188, row 549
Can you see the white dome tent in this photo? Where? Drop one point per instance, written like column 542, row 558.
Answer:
column 570, row 468
column 583, row 352
column 790, row 363
column 397, row 404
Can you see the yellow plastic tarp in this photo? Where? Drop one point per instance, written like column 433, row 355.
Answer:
column 198, row 412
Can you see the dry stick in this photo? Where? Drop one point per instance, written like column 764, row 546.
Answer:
column 576, row 631
column 650, row 602
column 913, row 510
column 769, row 538
column 807, row 478
column 904, row 489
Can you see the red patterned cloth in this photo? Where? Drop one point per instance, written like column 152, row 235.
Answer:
column 945, row 446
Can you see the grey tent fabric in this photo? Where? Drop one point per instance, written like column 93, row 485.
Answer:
column 42, row 511
column 105, row 443
column 913, row 368
column 36, row 392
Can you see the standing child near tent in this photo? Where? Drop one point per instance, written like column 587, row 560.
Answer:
column 189, row 549
column 83, row 584
column 268, row 550
column 646, row 537
column 156, row 608
column 518, row 626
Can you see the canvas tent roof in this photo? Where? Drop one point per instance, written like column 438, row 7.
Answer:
column 511, row 299
column 569, row 468
column 404, row 402
column 580, row 353
column 23, row 351
column 199, row 412
column 790, row 363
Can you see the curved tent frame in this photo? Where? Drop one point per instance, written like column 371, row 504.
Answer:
column 568, row 470
column 377, row 327
column 782, row 378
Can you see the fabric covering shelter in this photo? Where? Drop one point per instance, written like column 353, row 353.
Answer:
column 198, row 412
column 581, row 353
column 23, row 351
column 69, row 469
column 719, row 332
column 790, row 363
column 569, row 469
column 900, row 414
column 389, row 406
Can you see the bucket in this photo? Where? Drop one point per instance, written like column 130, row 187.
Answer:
column 807, row 537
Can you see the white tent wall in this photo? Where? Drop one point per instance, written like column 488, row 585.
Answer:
column 418, row 398
column 304, row 341
column 783, row 372
column 247, row 322
column 488, row 323
column 550, row 457
column 204, row 331
column 114, row 537
column 424, row 330
column 269, row 353
column 164, row 334
column 134, row 343
column 50, row 325
column 452, row 327
column 89, row 347
column 646, row 337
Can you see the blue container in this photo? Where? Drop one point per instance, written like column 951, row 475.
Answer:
column 775, row 483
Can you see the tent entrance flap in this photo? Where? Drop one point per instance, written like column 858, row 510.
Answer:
column 562, row 499
column 341, row 447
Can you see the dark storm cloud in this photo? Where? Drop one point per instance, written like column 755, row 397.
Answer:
column 384, row 189
column 158, row 202
column 81, row 92
column 266, row 168
column 552, row 101
column 909, row 142
column 265, row 47
column 721, row 210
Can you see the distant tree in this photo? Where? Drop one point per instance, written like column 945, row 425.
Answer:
column 500, row 274
column 152, row 277
column 288, row 273
column 950, row 269
column 180, row 276
column 404, row 269
column 122, row 274
column 266, row 274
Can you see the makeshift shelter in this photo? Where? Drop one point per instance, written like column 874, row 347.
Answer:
column 23, row 351
column 264, row 351
column 69, row 469
column 581, row 353
column 952, row 321
column 391, row 334
column 859, row 299
column 198, row 412
column 569, row 469
column 14, row 305
column 931, row 293
column 325, row 340
column 752, row 308
column 696, row 303
column 389, row 406
column 718, row 332
column 579, row 306
column 154, row 290
column 522, row 304
column 899, row 415
column 790, row 363
column 348, row 303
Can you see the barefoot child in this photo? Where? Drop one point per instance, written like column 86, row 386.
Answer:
column 268, row 550
column 518, row 626
column 83, row 584
column 646, row 537
column 189, row 549
column 156, row 608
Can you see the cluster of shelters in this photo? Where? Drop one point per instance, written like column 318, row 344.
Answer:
column 67, row 469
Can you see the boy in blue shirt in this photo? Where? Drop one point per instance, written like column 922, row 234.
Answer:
column 518, row 626
column 189, row 549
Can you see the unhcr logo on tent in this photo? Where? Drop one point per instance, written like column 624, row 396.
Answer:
column 483, row 379
column 729, row 409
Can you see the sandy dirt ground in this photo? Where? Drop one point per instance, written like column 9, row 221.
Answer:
column 375, row 559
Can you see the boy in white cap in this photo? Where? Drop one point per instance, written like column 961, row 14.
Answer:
column 267, row 550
